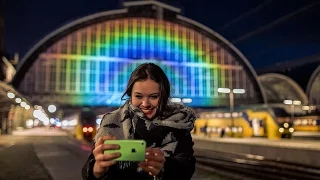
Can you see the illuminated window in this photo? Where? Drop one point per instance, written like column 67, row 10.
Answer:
column 63, row 75
column 73, row 74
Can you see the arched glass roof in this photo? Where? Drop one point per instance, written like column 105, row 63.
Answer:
column 313, row 88
column 279, row 87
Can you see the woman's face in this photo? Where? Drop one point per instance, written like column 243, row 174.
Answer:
column 145, row 95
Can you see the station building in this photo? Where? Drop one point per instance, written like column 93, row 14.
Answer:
column 88, row 61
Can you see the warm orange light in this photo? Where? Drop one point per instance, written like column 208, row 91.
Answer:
column 85, row 129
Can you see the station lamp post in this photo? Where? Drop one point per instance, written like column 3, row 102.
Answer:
column 292, row 103
column 231, row 93
column 309, row 108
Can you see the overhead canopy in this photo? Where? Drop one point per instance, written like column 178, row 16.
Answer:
column 313, row 88
column 279, row 87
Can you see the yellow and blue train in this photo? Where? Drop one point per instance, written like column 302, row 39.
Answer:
column 253, row 122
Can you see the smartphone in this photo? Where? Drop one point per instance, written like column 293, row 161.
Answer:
column 131, row 150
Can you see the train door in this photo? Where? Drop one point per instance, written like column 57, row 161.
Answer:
column 256, row 126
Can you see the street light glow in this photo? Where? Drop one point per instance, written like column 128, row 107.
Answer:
column 238, row 91
column 36, row 113
column 23, row 104
column 296, row 102
column 224, row 90
column 187, row 100
column 306, row 108
column 10, row 95
column 18, row 100
column 27, row 107
column 52, row 108
column 287, row 102
column 176, row 100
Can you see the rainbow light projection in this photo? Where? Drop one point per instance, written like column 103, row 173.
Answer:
column 91, row 66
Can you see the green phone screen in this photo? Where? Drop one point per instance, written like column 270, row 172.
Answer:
column 131, row 150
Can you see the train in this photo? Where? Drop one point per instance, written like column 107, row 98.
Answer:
column 86, row 128
column 88, row 122
column 272, row 123
column 307, row 123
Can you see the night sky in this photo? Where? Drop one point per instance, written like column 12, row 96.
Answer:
column 265, row 31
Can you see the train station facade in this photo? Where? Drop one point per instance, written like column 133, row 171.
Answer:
column 88, row 62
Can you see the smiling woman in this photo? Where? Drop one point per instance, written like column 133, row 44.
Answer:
column 145, row 95
column 149, row 89
column 147, row 115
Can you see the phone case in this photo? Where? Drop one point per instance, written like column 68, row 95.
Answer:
column 131, row 150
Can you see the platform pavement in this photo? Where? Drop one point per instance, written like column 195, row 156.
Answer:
column 40, row 131
column 306, row 134
column 60, row 155
column 283, row 143
column 289, row 150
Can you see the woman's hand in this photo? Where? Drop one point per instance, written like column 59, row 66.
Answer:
column 104, row 161
column 154, row 161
